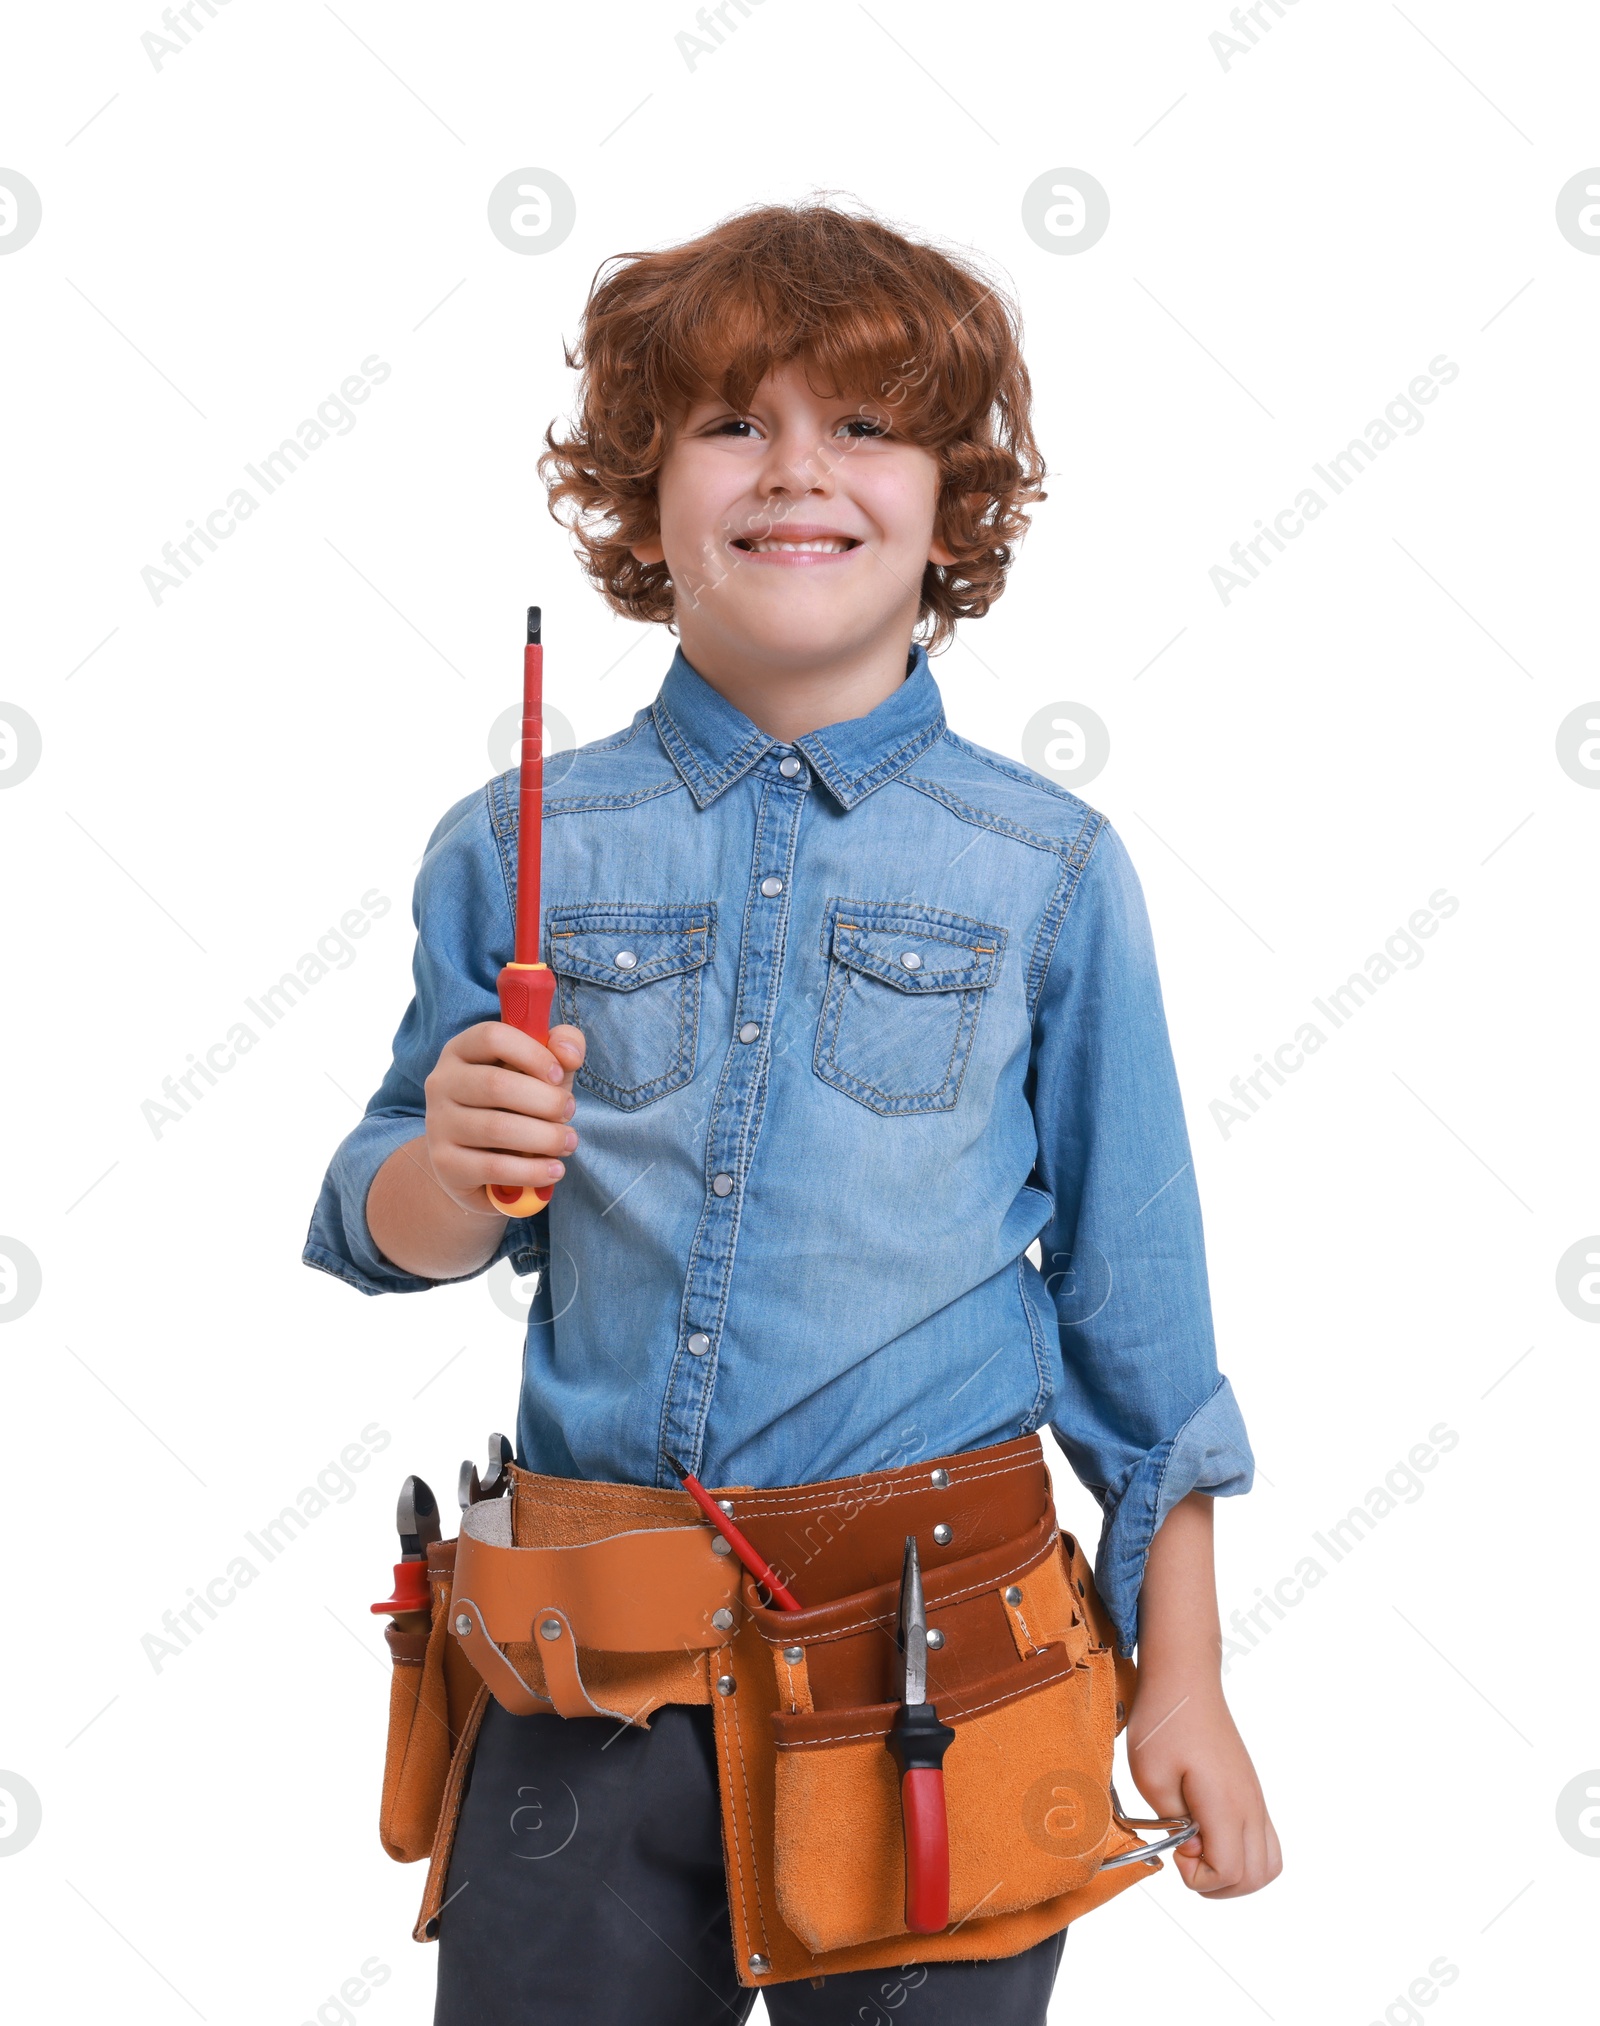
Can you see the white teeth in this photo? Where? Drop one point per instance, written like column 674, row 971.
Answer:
column 829, row 545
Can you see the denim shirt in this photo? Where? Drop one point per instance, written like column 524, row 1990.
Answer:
column 866, row 1015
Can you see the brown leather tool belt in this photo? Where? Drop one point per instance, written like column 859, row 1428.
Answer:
column 589, row 1599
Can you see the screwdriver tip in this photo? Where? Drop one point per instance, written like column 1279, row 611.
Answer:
column 533, row 626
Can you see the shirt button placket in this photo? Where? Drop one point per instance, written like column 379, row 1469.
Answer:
column 736, row 1115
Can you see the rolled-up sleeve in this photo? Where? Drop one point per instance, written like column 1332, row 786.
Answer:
column 1143, row 1414
column 462, row 913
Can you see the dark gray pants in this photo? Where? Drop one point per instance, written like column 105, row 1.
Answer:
column 586, row 1884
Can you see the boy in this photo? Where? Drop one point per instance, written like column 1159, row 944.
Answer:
column 850, row 1011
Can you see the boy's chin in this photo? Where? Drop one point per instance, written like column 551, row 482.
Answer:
column 802, row 630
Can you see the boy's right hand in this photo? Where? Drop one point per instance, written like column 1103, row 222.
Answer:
column 498, row 1103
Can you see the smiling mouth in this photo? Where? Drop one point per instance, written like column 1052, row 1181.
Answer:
column 827, row 545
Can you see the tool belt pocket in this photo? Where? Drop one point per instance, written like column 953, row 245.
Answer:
column 1017, row 1668
column 430, row 1695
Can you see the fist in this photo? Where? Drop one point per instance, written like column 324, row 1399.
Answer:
column 498, row 1103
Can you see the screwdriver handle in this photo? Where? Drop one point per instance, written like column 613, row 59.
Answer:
column 526, row 994
column 919, row 1741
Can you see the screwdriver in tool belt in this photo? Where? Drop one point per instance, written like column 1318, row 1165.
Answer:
column 741, row 1544
column 527, row 986
column 919, row 1741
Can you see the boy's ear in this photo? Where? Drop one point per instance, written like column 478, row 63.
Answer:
column 649, row 551
column 938, row 552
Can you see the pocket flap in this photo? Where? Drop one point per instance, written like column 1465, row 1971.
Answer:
column 626, row 944
column 915, row 949
column 803, row 1730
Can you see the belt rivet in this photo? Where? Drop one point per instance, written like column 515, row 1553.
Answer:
column 1013, row 1594
column 935, row 1638
column 942, row 1534
column 721, row 1547
column 550, row 1628
column 722, row 1618
column 794, row 1655
column 725, row 1684
column 463, row 1624
column 726, row 1505
column 759, row 1966
column 940, row 1480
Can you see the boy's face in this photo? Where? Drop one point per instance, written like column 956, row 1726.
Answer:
column 798, row 531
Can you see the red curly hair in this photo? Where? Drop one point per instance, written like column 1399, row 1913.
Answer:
column 929, row 335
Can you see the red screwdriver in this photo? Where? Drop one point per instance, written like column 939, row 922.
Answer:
column 741, row 1544
column 919, row 1741
column 527, row 987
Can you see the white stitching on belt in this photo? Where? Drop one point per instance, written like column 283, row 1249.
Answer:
column 935, row 1603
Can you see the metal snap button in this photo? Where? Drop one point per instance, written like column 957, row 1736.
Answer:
column 625, row 960
column 725, row 1505
column 722, row 1618
column 935, row 1638
column 550, row 1628
column 789, row 767
column 750, row 1031
column 794, row 1655
column 726, row 1684
column 1013, row 1594
column 699, row 1344
column 463, row 1624
column 721, row 1547
column 940, row 1480
column 759, row 1966
column 911, row 960
column 771, row 885
column 722, row 1185
column 942, row 1534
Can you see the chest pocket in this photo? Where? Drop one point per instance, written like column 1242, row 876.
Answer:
column 628, row 973
column 905, row 989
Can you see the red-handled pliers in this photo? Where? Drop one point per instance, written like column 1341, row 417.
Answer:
column 919, row 1741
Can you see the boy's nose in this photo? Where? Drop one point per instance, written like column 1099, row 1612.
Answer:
column 797, row 464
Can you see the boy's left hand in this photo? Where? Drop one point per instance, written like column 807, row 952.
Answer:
column 1187, row 1758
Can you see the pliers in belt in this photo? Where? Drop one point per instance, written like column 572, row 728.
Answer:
column 919, row 1741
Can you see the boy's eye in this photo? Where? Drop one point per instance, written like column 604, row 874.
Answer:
column 741, row 425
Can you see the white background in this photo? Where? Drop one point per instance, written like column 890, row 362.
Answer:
column 1293, row 238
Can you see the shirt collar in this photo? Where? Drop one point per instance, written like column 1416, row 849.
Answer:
column 712, row 743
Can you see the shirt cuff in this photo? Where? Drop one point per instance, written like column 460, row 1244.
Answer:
column 1209, row 1453
column 339, row 1240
